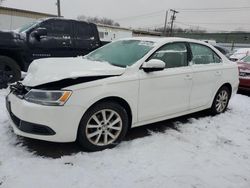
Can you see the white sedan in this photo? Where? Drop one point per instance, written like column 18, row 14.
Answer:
column 96, row 99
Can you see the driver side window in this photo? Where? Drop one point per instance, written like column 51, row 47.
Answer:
column 173, row 55
column 57, row 28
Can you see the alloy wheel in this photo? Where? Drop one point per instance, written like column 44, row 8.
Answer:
column 104, row 127
column 221, row 101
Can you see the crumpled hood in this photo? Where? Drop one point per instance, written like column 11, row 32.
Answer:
column 43, row 71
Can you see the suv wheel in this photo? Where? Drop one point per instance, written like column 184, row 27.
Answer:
column 103, row 126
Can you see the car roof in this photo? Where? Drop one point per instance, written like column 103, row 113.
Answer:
column 64, row 19
column 166, row 39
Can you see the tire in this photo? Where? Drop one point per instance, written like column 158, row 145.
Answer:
column 221, row 101
column 96, row 134
column 9, row 71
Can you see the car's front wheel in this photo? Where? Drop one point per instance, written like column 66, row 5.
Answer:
column 103, row 126
column 221, row 100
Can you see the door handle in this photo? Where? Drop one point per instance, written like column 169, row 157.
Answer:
column 65, row 43
column 188, row 77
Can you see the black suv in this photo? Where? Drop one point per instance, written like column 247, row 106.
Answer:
column 51, row 37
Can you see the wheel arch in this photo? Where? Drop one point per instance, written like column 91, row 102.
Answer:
column 16, row 57
column 118, row 100
column 228, row 85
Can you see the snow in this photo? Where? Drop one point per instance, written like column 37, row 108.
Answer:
column 207, row 152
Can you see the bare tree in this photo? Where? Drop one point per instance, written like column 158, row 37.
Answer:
column 181, row 30
column 105, row 21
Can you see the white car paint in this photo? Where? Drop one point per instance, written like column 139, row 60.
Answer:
column 152, row 97
column 46, row 70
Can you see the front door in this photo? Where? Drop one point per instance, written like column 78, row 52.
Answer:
column 166, row 92
column 57, row 43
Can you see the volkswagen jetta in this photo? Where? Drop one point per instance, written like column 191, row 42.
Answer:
column 96, row 99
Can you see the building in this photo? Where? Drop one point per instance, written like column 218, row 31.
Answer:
column 230, row 37
column 143, row 33
column 11, row 18
column 110, row 33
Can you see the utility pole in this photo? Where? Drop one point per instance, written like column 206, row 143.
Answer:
column 172, row 20
column 58, row 4
column 165, row 25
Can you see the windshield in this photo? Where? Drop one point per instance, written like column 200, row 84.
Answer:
column 122, row 53
column 246, row 59
column 27, row 26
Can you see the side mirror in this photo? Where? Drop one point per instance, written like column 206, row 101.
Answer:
column 39, row 33
column 153, row 65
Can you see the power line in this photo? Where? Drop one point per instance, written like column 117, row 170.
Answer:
column 186, row 10
column 216, row 23
column 139, row 16
column 155, row 17
column 215, row 9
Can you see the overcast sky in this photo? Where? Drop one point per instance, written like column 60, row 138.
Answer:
column 151, row 13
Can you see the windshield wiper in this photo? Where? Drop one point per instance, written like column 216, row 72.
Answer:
column 117, row 65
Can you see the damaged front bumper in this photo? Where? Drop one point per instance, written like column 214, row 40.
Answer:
column 49, row 123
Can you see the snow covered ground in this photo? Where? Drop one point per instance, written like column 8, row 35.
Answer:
column 208, row 152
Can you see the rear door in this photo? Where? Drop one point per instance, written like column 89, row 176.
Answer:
column 207, row 73
column 86, row 37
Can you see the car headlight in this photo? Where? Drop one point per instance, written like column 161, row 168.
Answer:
column 49, row 98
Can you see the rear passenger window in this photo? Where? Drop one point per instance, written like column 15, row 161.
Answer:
column 174, row 55
column 203, row 54
column 84, row 31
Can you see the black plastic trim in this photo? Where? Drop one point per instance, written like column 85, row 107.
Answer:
column 70, row 82
column 30, row 128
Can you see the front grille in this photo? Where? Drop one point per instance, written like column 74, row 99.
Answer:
column 244, row 74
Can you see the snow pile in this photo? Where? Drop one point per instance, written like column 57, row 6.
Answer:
column 207, row 152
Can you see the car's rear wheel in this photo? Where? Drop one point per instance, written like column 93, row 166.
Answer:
column 9, row 71
column 221, row 100
column 103, row 126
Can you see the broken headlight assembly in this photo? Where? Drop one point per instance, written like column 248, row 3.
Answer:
column 48, row 98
